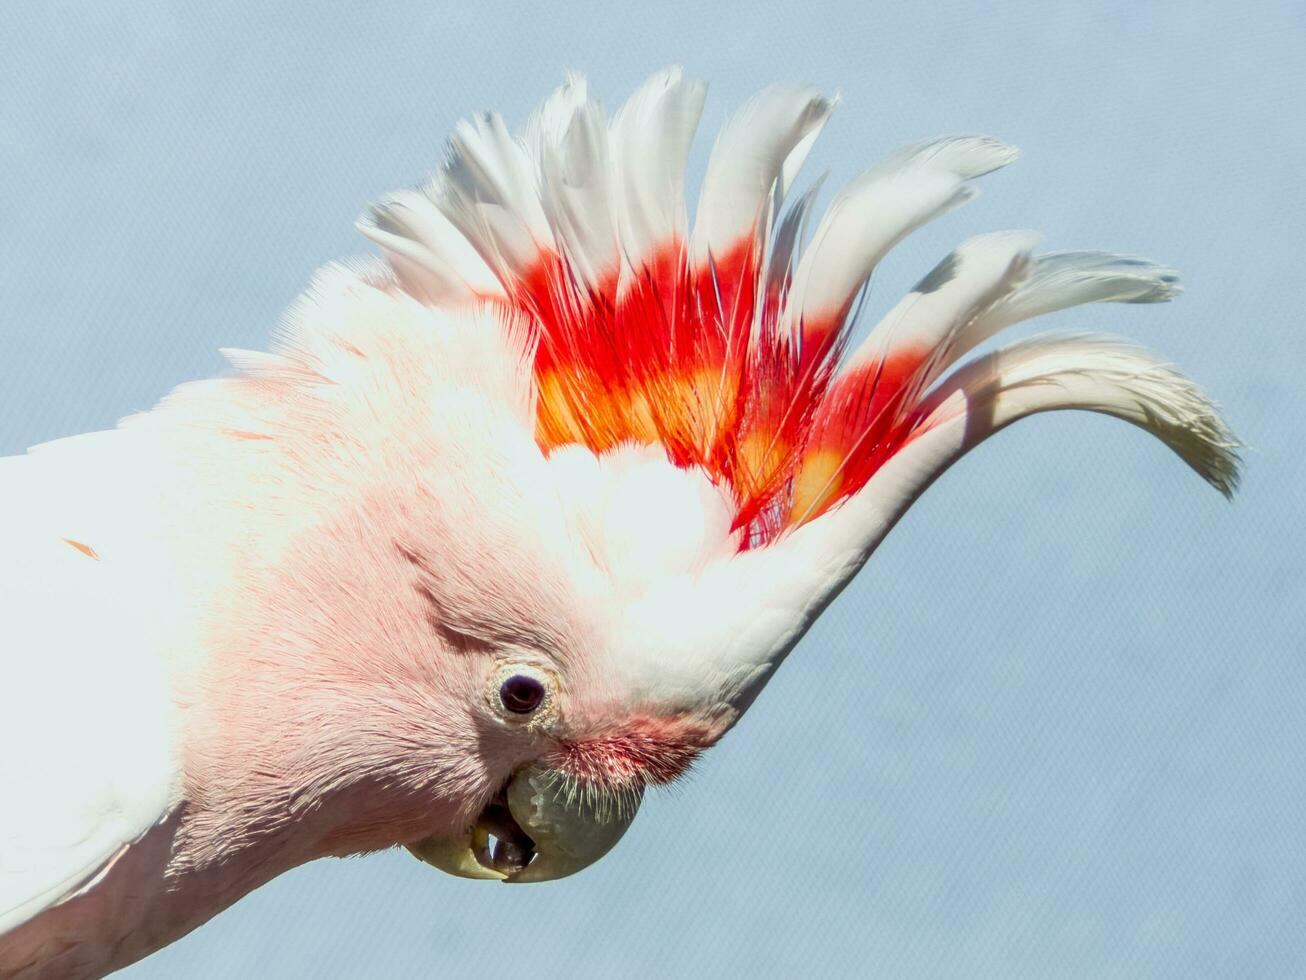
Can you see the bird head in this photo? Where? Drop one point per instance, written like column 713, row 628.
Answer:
column 569, row 481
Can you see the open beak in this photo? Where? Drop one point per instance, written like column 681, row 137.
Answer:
column 533, row 830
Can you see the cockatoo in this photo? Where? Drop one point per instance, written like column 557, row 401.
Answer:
column 512, row 523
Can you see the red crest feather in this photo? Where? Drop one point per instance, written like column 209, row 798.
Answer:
column 701, row 363
column 724, row 345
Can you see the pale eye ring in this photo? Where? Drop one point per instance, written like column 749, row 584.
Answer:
column 521, row 693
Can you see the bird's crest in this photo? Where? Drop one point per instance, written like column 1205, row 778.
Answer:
column 723, row 344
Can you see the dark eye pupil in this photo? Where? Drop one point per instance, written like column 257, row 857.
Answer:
column 521, row 694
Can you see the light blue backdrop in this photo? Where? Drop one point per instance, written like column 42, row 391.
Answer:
column 1057, row 727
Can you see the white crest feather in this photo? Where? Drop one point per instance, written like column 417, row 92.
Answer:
column 1097, row 374
column 570, row 137
column 488, row 190
column 878, row 209
column 649, row 141
column 965, row 284
column 1060, row 280
column 432, row 259
column 754, row 158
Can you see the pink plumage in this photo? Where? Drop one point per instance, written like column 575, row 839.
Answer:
column 509, row 526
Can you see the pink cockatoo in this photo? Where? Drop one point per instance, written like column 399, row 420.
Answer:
column 510, row 525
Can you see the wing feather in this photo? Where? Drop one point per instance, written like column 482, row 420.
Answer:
column 86, row 717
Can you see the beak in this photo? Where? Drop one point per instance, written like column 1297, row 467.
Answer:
column 537, row 828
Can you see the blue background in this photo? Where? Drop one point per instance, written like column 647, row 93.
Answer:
column 1058, row 725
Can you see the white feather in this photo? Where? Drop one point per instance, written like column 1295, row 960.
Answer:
column 878, row 209
column 489, row 192
column 548, row 122
column 571, row 135
column 433, row 260
column 754, row 159
column 1096, row 374
column 85, row 707
column 649, row 142
column 1047, row 373
column 1060, row 280
column 965, row 284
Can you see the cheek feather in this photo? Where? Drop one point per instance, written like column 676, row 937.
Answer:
column 644, row 751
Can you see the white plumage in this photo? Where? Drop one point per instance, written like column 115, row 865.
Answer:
column 86, row 711
column 753, row 162
column 650, row 139
column 879, row 208
column 225, row 615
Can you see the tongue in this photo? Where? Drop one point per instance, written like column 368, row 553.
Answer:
column 513, row 849
column 510, row 856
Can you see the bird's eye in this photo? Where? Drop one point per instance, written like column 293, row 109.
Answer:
column 521, row 694
column 524, row 694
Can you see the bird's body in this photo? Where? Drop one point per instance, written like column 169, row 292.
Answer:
column 507, row 528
